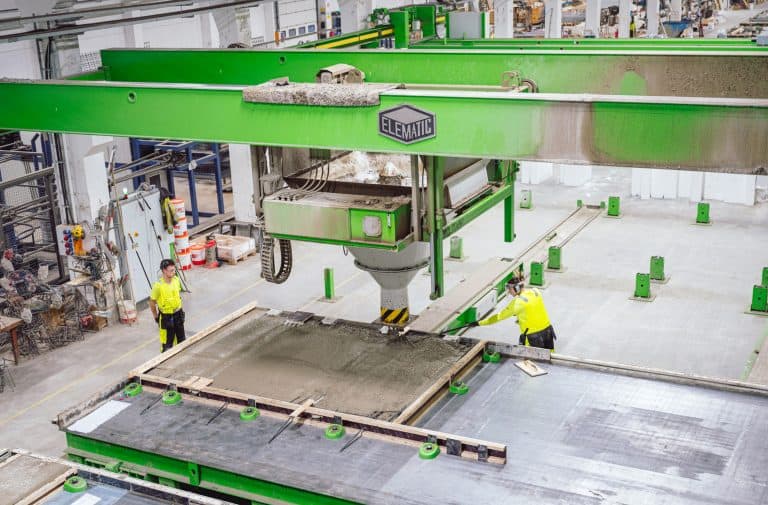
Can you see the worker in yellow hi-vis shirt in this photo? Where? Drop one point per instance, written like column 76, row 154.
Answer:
column 528, row 306
column 165, row 304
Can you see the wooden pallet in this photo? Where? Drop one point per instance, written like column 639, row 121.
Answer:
column 247, row 254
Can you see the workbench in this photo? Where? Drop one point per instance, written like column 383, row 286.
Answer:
column 10, row 325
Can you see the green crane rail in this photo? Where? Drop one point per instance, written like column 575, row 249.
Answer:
column 698, row 45
column 681, row 73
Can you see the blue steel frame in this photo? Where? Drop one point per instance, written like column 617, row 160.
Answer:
column 190, row 149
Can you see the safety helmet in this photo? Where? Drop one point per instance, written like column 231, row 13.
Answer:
column 78, row 232
column 516, row 283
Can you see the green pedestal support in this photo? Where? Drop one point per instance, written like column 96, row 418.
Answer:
column 643, row 286
column 765, row 277
column 759, row 299
column 553, row 258
column 702, row 213
column 537, row 274
column 614, row 206
column 75, row 484
column 526, row 199
column 457, row 248
column 657, row 268
column 328, row 289
column 491, row 357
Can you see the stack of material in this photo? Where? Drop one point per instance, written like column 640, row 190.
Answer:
column 753, row 27
column 229, row 248
column 181, row 236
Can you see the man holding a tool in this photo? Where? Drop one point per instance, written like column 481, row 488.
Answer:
column 528, row 306
column 165, row 304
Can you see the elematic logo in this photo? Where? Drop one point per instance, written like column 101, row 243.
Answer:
column 407, row 124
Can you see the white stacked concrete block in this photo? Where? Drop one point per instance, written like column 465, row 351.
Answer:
column 574, row 175
column 730, row 188
column 663, row 183
column 641, row 183
column 691, row 185
column 535, row 172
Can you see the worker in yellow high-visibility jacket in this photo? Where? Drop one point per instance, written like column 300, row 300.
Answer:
column 165, row 304
column 528, row 306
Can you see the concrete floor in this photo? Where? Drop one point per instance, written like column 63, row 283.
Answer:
column 696, row 324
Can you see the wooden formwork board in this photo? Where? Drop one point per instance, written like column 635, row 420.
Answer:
column 394, row 432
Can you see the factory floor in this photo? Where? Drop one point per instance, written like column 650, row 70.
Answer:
column 696, row 323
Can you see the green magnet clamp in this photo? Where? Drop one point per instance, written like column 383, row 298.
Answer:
column 249, row 413
column 133, row 389
column 491, row 357
column 429, row 450
column 75, row 484
column 171, row 397
column 334, row 431
column 459, row 388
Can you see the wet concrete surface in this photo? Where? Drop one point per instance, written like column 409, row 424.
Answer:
column 349, row 368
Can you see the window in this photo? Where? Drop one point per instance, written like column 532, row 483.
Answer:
column 292, row 32
column 302, row 30
column 310, row 28
column 282, row 35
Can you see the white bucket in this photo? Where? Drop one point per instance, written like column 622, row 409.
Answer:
column 180, row 227
column 182, row 241
column 198, row 254
column 178, row 205
column 127, row 311
column 185, row 260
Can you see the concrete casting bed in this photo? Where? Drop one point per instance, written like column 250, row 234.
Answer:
column 353, row 367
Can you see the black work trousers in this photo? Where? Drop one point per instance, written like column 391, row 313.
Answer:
column 173, row 325
column 544, row 338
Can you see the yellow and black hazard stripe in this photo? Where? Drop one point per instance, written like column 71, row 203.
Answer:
column 394, row 316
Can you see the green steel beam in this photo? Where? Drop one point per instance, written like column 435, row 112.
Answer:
column 509, row 203
column 573, row 45
column 673, row 73
column 435, row 223
column 692, row 134
column 351, row 39
column 478, row 208
column 401, row 21
column 223, row 481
